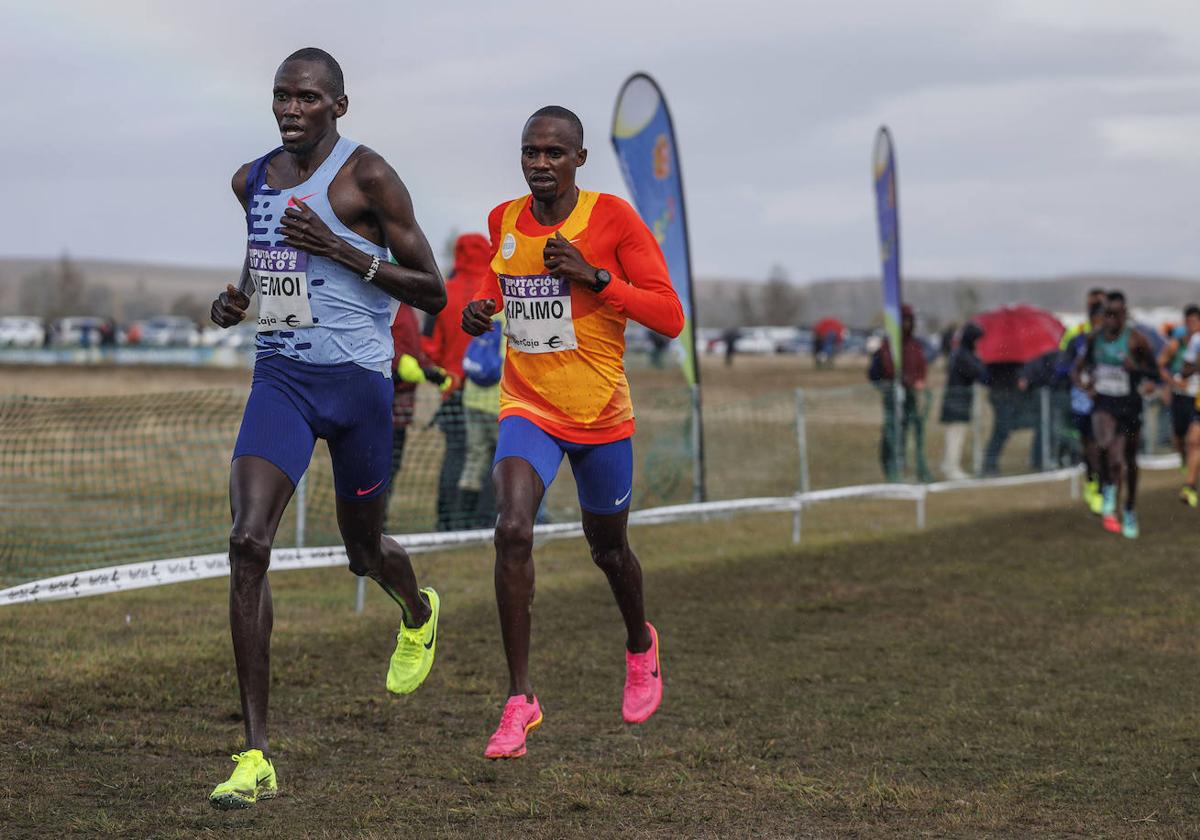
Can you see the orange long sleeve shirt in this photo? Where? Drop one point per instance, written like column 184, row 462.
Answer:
column 564, row 370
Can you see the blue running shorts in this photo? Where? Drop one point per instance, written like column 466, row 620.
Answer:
column 293, row 403
column 603, row 471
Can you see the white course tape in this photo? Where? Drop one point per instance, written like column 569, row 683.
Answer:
column 159, row 572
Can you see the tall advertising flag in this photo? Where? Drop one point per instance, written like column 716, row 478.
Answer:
column 887, row 211
column 644, row 140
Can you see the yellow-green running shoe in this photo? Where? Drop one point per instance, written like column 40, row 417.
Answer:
column 253, row 779
column 1092, row 496
column 415, row 649
column 1187, row 495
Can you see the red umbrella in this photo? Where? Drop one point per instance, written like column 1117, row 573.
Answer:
column 1017, row 333
column 829, row 325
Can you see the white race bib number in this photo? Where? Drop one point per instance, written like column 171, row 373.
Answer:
column 280, row 276
column 538, row 313
column 1112, row 381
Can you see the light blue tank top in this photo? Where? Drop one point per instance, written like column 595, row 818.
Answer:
column 351, row 319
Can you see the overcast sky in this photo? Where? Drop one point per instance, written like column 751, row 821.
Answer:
column 1033, row 137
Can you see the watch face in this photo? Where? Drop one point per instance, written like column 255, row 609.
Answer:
column 603, row 276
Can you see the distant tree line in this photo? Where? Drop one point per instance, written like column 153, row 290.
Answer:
column 61, row 290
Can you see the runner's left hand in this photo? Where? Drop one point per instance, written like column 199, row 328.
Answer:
column 304, row 230
column 563, row 260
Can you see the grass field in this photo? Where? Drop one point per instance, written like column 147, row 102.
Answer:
column 1012, row 671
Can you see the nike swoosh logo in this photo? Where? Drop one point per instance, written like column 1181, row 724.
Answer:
column 372, row 488
column 432, row 638
column 292, row 199
column 621, row 500
column 654, row 673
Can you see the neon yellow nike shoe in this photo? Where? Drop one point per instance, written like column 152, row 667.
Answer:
column 253, row 779
column 1187, row 495
column 415, row 649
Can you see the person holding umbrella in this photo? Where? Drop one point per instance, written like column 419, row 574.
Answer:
column 826, row 341
column 1013, row 336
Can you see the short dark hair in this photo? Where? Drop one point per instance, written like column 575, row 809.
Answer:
column 1190, row 310
column 337, row 83
column 1116, row 296
column 558, row 112
column 1095, row 290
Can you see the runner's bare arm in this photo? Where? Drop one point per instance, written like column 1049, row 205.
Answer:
column 230, row 306
column 1143, row 357
column 414, row 278
column 1164, row 359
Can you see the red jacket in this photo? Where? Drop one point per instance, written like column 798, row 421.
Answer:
column 443, row 339
column 915, row 369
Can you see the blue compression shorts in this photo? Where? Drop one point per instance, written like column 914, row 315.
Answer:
column 603, row 471
column 293, row 403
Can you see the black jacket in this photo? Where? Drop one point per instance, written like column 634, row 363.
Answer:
column 963, row 371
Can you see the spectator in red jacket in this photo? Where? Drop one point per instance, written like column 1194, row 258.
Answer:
column 445, row 343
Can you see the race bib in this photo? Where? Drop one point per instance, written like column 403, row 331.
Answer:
column 538, row 313
column 1112, row 381
column 280, row 276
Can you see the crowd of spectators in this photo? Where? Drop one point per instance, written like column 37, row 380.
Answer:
column 1035, row 394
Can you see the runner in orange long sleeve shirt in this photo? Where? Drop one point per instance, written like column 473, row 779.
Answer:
column 569, row 267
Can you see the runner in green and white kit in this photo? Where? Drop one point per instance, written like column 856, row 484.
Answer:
column 1117, row 362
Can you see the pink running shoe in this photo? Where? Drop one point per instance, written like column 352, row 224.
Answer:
column 518, row 720
column 1111, row 524
column 643, row 682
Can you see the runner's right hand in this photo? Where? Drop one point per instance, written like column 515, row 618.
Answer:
column 229, row 308
column 477, row 316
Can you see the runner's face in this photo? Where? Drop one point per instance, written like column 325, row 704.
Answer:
column 550, row 154
column 1114, row 317
column 304, row 108
column 1192, row 323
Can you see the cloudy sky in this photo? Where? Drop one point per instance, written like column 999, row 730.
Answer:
column 1034, row 136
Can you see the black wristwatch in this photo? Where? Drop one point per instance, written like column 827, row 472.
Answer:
column 603, row 278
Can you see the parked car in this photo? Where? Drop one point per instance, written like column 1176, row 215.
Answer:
column 856, row 342
column 22, row 331
column 78, row 331
column 799, row 341
column 239, row 335
column 168, row 331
